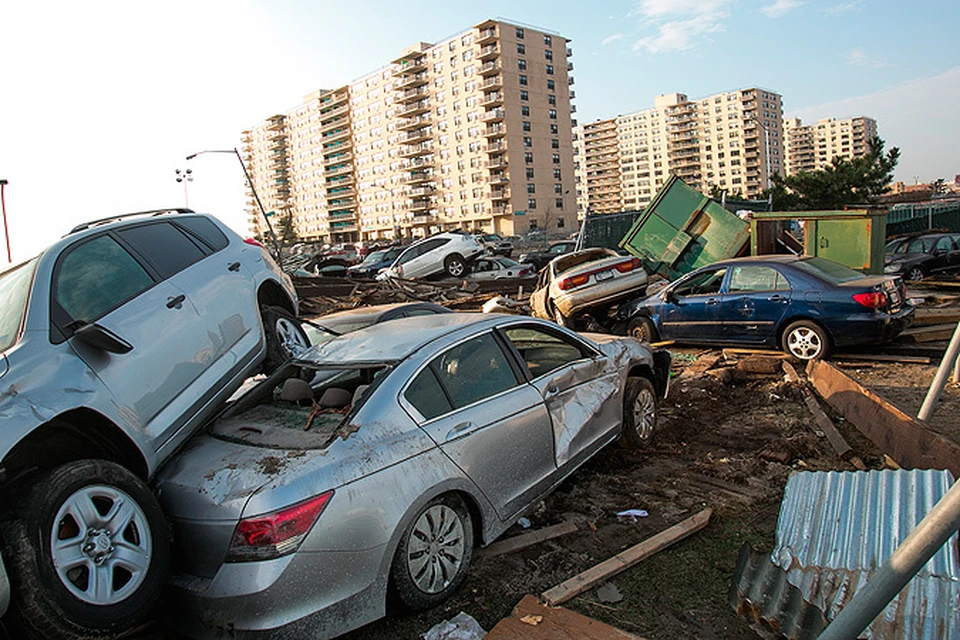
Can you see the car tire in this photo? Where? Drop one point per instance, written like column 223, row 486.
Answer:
column 55, row 583
column 642, row 329
column 455, row 265
column 806, row 340
column 915, row 274
column 284, row 335
column 640, row 412
column 433, row 554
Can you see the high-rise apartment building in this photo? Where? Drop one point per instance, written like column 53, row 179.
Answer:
column 814, row 146
column 730, row 140
column 473, row 132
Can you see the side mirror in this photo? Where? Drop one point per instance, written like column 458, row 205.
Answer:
column 102, row 338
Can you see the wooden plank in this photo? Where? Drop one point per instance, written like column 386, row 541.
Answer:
column 626, row 559
column 931, row 333
column 924, row 316
column 525, row 540
column 665, row 343
column 761, row 364
column 878, row 357
column 908, row 441
column 763, row 352
column 531, row 620
column 700, row 365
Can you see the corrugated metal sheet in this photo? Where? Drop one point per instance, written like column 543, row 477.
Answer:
column 835, row 530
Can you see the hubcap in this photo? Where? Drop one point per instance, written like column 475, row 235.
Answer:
column 436, row 549
column 804, row 343
column 644, row 413
column 290, row 338
column 456, row 268
column 101, row 545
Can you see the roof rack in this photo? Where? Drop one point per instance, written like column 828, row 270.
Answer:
column 152, row 212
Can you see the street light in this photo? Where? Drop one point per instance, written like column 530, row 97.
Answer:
column 3, row 206
column 185, row 177
column 234, row 151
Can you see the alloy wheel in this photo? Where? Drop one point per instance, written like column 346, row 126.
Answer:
column 436, row 548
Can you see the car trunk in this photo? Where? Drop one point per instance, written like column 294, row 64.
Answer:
column 892, row 288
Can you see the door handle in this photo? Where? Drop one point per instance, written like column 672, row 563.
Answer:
column 233, row 266
column 713, row 301
column 458, row 429
column 551, row 391
column 176, row 302
column 776, row 298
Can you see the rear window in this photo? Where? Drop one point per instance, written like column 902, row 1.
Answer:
column 828, row 270
column 206, row 230
column 165, row 246
column 14, row 291
column 577, row 259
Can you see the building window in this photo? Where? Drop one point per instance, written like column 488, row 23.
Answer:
column 524, row 95
column 556, row 158
column 552, row 99
column 551, row 85
column 558, row 203
column 529, row 173
column 525, row 111
column 556, row 174
column 548, row 54
column 522, row 64
column 531, row 188
column 549, row 69
column 558, row 189
column 547, row 40
column 526, row 125
column 527, row 141
column 528, row 157
column 519, row 33
column 521, row 49
column 554, row 129
column 552, row 112
column 560, row 223
column 523, row 79
column 532, row 205
column 554, row 144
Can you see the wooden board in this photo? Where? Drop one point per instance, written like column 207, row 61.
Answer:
column 552, row 623
column 907, row 440
column 626, row 559
column 925, row 316
column 878, row 357
column 525, row 540
column 931, row 333
column 700, row 365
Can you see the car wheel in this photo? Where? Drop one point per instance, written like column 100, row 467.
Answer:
column 805, row 340
column 433, row 554
column 285, row 337
column 642, row 329
column 88, row 549
column 455, row 265
column 639, row 413
column 916, row 273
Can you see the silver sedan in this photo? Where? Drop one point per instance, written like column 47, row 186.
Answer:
column 379, row 459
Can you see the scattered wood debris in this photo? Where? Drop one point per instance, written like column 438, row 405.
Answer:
column 522, row 541
column 531, row 620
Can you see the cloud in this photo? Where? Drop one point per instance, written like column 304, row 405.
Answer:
column 843, row 7
column 613, row 38
column 860, row 58
column 781, row 7
column 679, row 24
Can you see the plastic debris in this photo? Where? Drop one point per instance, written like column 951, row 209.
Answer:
column 633, row 514
column 609, row 593
column 524, row 522
column 460, row 627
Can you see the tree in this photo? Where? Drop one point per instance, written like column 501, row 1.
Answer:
column 844, row 182
column 288, row 233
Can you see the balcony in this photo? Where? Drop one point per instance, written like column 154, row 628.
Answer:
column 340, row 204
column 495, row 146
column 410, row 64
column 486, row 36
column 489, row 52
column 338, row 169
column 343, row 180
column 414, row 80
column 414, row 109
column 493, row 82
column 497, row 162
column 412, row 123
column 498, row 178
column 419, row 135
column 426, row 190
column 333, row 113
column 419, row 204
column 334, row 98
column 416, row 177
column 499, row 194
column 337, row 134
column 494, row 115
column 421, row 162
column 334, row 123
column 502, row 210
column 495, row 131
column 569, row 66
column 414, row 150
column 337, row 158
column 489, row 68
column 493, row 99
column 410, row 95
column 340, row 194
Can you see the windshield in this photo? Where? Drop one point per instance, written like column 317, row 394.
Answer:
column 828, row 270
column 14, row 291
column 376, row 256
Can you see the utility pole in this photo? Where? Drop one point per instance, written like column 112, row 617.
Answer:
column 3, row 206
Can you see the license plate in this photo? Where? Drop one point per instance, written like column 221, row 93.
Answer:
column 604, row 275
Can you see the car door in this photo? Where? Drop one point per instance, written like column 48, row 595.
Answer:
column 475, row 405
column 427, row 261
column 538, row 298
column 578, row 385
column 755, row 301
column 944, row 255
column 691, row 309
column 98, row 280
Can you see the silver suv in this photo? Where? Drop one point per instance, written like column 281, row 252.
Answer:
column 116, row 343
column 449, row 252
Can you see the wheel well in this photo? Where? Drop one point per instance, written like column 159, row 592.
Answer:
column 74, row 435
column 644, row 371
column 786, row 323
column 272, row 294
column 476, row 517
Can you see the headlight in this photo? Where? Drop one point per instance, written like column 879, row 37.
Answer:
column 893, row 267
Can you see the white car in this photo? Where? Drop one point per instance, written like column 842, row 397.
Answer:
column 449, row 252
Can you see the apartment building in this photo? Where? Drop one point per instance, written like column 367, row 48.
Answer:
column 473, row 133
column 731, row 140
column 814, row 146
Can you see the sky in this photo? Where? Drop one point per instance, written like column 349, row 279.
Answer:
column 101, row 101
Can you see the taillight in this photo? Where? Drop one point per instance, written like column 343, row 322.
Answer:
column 275, row 534
column 254, row 242
column 872, row 300
column 573, row 281
column 627, row 267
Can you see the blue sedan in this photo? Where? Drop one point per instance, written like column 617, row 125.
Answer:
column 804, row 305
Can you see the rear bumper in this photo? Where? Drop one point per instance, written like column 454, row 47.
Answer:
column 873, row 329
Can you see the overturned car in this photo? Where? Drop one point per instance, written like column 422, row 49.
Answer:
column 377, row 461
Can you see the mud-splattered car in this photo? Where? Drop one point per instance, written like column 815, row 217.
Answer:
column 378, row 460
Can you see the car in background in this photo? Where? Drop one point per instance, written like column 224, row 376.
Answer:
column 498, row 268
column 426, row 438
column 495, row 245
column 586, row 280
column 447, row 253
column 920, row 256
column 539, row 259
column 805, row 306
column 374, row 262
column 116, row 343
column 323, row 328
